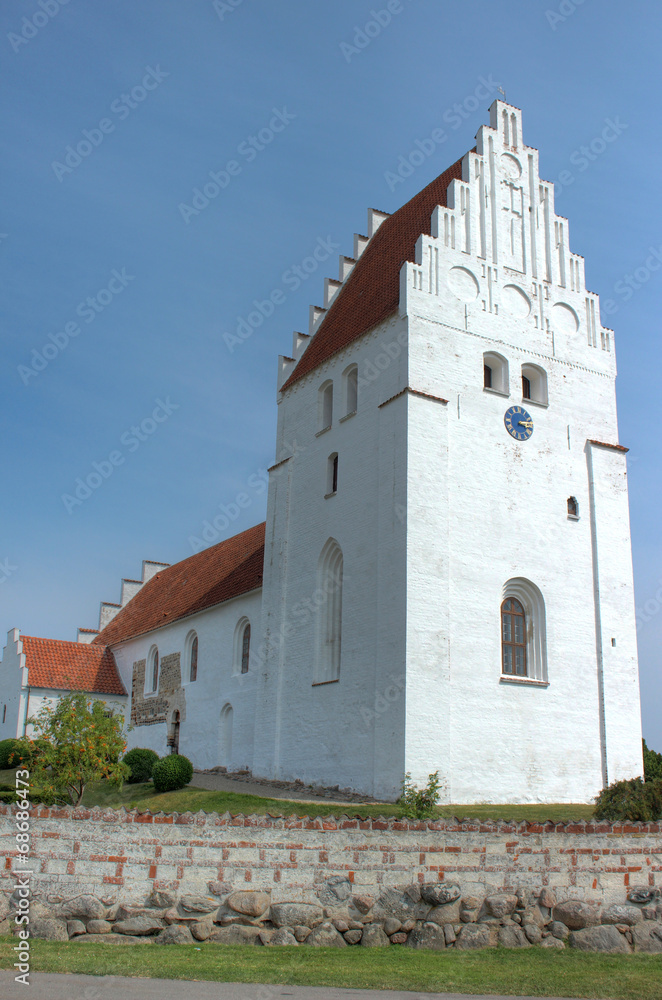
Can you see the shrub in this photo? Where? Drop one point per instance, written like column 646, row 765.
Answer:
column 7, row 748
column 418, row 803
column 172, row 772
column 652, row 764
column 633, row 800
column 7, row 793
column 141, row 761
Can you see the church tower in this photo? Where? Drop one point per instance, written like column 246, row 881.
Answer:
column 448, row 575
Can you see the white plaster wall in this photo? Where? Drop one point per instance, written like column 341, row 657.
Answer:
column 350, row 732
column 11, row 679
column 218, row 684
column 39, row 697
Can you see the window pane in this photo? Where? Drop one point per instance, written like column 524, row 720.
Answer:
column 507, row 659
column 507, row 628
column 519, row 661
column 518, row 627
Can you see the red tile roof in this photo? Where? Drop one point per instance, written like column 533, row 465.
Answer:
column 78, row 666
column 226, row 570
column 371, row 293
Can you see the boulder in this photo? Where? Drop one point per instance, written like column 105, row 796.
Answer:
column 551, row 942
column 201, row 930
column 469, row 909
column 289, row 914
column 336, row 889
column 326, row 936
column 203, row 904
column 48, row 929
column 439, row 893
column 647, row 938
column 500, row 904
column 408, row 926
column 533, row 915
column 75, row 927
column 629, row 915
column 641, row 894
column 250, row 903
column 4, row 906
column 83, row 908
column 447, row 914
column 396, row 903
column 173, row 916
column 391, row 926
column 399, row 938
column 99, row 927
column 449, row 934
column 599, row 938
column 374, row 937
column 427, row 936
column 174, row 934
column 353, row 937
column 283, row 936
column 513, row 937
column 300, row 932
column 138, row 926
column 219, row 888
column 576, row 914
column 235, row 935
column 533, row 933
column 161, row 899
column 341, row 925
column 547, row 898
column 477, row 936
column 559, row 930
column 363, row 902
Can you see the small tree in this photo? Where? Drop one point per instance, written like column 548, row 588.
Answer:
column 76, row 741
column 652, row 764
column 418, row 803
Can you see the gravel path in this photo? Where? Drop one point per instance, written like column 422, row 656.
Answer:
column 245, row 784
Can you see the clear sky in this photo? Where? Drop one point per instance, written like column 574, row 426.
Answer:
column 121, row 291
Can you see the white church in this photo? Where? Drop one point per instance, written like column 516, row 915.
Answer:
column 444, row 578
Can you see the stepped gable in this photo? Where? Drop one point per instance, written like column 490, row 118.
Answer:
column 226, row 570
column 54, row 663
column 371, row 292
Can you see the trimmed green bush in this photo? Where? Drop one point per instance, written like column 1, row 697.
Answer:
column 7, row 747
column 171, row 773
column 141, row 761
column 633, row 800
column 652, row 764
column 7, row 793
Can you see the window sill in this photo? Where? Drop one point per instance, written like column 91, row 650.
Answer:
column 495, row 392
column 534, row 402
column 508, row 679
column 573, row 517
column 316, row 684
column 323, row 431
column 327, row 496
column 347, row 416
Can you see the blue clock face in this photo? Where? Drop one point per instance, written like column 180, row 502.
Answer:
column 518, row 423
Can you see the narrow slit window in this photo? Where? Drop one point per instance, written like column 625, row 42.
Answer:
column 487, row 377
column 245, row 649
column 573, row 507
column 194, row 659
column 526, row 387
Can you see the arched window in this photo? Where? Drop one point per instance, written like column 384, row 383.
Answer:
column 513, row 638
column 495, row 373
column 192, row 655
column 245, row 648
column 152, row 673
column 351, row 384
column 242, row 646
column 4, row 713
column 523, row 631
column 329, row 622
column 325, row 406
column 534, row 383
column 332, row 474
column 573, row 508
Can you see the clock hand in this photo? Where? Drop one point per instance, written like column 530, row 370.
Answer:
column 526, row 423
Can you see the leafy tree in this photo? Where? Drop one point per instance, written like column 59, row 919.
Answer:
column 418, row 803
column 632, row 799
column 76, row 741
column 652, row 764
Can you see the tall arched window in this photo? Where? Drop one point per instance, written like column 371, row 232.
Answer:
column 495, row 373
column 513, row 638
column 523, row 631
column 152, row 673
column 329, row 635
column 192, row 655
column 325, row 406
column 245, row 648
column 534, row 383
column 351, row 383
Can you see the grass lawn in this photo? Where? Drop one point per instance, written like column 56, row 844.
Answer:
column 532, row 971
column 190, row 799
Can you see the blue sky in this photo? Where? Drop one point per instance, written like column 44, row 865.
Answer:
column 166, row 284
